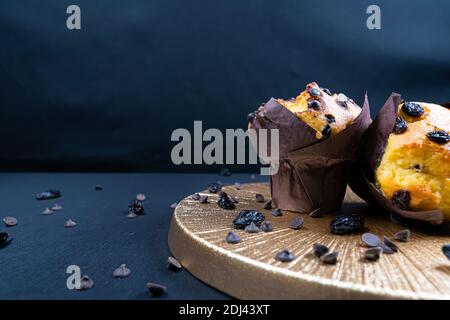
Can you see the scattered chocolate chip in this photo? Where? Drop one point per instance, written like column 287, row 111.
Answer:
column 225, row 203
column 314, row 92
column 285, row 256
column 372, row 254
column 121, row 272
column 173, row 264
column 370, row 239
column 439, row 136
column 195, row 196
column 56, row 207
column 10, row 221
column 225, row 172
column 327, row 91
column 330, row 258
column 403, row 235
column 98, row 187
column 347, row 224
column 319, row 249
column 251, row 228
column 259, row 197
column 400, row 125
column 85, row 283
column 232, row 238
column 386, row 249
column 276, row 212
column 141, row 197
column 215, row 187
column 47, row 211
column 246, row 217
column 330, row 118
column 70, row 224
column 3, row 238
column 136, row 207
column 155, row 289
column 401, row 199
column 131, row 215
column 174, row 205
column 297, row 223
column 446, row 250
column 412, row 109
column 268, row 204
column 326, row 131
column 49, row 194
column 390, row 244
column 314, row 104
column 266, row 227
column 203, row 199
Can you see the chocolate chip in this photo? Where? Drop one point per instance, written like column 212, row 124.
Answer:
column 136, row 207
column 49, row 194
column 195, row 197
column 259, row 197
column 330, row 258
column 372, row 254
column 390, row 244
column 370, row 239
column 297, row 223
column 70, row 224
column 285, row 256
column 225, row 203
column 47, row 211
column 141, row 197
column 268, row 204
column 173, row 264
column 412, row 109
column 121, row 272
column 232, row 238
column 266, row 227
column 347, row 224
column 403, row 235
column 225, row 172
column 56, row 207
column 98, row 187
column 438, row 136
column 155, row 289
column 400, row 125
column 386, row 249
column 330, row 118
column 327, row 91
column 85, row 283
column 401, row 199
column 314, row 92
column 326, row 131
column 276, row 212
column 203, row 199
column 319, row 249
column 10, row 221
column 3, row 238
column 314, row 104
column 215, row 187
column 446, row 250
column 252, row 228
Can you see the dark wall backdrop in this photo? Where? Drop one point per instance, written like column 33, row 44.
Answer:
column 107, row 97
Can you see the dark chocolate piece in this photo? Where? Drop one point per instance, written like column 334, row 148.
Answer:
column 3, row 238
column 372, row 254
column 297, row 223
column 86, row 283
column 259, row 197
column 371, row 240
column 215, row 187
column 136, row 207
column 49, row 194
column 173, row 264
column 285, row 256
column 266, row 227
column 203, row 199
column 277, row 212
column 155, row 289
column 224, row 202
column 251, row 228
column 326, row 131
column 195, row 196
column 386, row 249
column 319, row 249
column 98, row 187
column 403, row 235
column 330, row 258
column 122, row 272
column 390, row 244
column 232, row 238
column 246, row 217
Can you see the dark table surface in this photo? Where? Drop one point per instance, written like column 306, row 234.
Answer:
column 33, row 265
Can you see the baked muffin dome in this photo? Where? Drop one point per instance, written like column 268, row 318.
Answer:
column 325, row 112
column 414, row 171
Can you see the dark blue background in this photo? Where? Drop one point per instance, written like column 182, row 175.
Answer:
column 107, row 97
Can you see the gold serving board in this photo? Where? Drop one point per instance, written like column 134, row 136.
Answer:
column 248, row 270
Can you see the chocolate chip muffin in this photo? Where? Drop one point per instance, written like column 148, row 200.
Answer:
column 325, row 112
column 414, row 171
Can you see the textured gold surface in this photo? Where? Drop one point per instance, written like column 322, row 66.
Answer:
column 248, row 270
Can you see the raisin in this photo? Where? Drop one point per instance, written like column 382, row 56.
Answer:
column 401, row 199
column 314, row 92
column 412, row 109
column 346, row 224
column 246, row 217
column 314, row 104
column 225, row 202
column 3, row 237
column 326, row 131
column 215, row 187
column 400, row 125
column 439, row 136
column 136, row 207
column 49, row 194
column 330, row 118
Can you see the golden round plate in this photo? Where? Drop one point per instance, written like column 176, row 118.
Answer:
column 248, row 270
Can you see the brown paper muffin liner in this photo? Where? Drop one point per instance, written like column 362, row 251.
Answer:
column 371, row 151
column 312, row 175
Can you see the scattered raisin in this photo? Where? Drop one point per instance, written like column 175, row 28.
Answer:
column 412, row 109
column 346, row 224
column 314, row 92
column 314, row 104
column 246, row 217
column 438, row 136
column 225, row 203
column 401, row 199
column 400, row 125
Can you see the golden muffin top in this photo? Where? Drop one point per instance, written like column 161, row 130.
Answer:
column 325, row 112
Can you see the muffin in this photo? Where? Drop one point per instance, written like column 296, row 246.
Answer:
column 318, row 136
column 405, row 160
